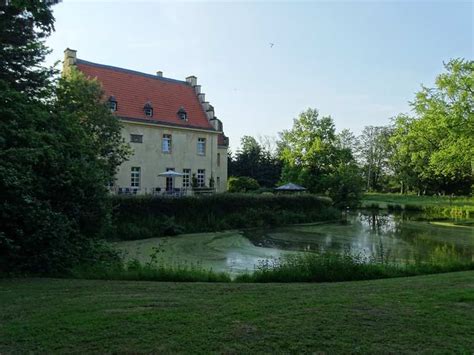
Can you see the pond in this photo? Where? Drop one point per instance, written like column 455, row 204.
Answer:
column 394, row 236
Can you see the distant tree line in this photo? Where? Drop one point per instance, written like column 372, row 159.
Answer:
column 430, row 151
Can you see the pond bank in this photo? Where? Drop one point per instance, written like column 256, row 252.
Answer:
column 433, row 206
column 385, row 236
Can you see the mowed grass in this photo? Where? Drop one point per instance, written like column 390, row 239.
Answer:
column 414, row 200
column 416, row 314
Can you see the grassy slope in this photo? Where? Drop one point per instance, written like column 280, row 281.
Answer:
column 440, row 201
column 419, row 314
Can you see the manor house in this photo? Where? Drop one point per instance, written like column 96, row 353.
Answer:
column 169, row 125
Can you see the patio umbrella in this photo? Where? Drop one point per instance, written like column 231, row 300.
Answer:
column 290, row 187
column 170, row 173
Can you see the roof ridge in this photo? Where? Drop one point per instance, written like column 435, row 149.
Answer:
column 129, row 71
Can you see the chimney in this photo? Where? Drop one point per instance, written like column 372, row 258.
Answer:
column 159, row 73
column 69, row 60
column 191, row 80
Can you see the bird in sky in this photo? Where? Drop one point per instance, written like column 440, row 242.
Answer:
column 271, row 45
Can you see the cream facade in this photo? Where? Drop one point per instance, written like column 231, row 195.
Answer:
column 158, row 148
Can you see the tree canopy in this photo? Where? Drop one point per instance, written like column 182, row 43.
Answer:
column 57, row 153
column 313, row 157
column 255, row 160
column 434, row 148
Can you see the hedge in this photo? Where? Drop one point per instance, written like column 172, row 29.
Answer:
column 140, row 217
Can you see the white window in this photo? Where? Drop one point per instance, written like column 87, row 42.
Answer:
column 186, row 177
column 135, row 176
column 218, row 159
column 136, row 138
column 166, row 143
column 201, row 177
column 201, row 146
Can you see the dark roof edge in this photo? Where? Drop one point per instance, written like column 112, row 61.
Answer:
column 129, row 71
column 163, row 123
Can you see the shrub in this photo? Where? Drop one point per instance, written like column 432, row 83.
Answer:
column 141, row 217
column 134, row 270
column 242, row 184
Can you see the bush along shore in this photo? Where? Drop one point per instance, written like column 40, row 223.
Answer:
column 431, row 206
column 304, row 267
column 150, row 217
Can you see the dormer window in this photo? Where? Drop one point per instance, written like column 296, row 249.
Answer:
column 182, row 114
column 112, row 103
column 148, row 109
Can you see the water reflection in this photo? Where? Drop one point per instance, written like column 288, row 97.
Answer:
column 380, row 235
column 389, row 237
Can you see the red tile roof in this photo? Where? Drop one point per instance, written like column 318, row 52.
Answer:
column 132, row 90
column 222, row 140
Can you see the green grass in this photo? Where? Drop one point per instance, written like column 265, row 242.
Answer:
column 427, row 314
column 434, row 206
column 134, row 270
column 440, row 201
column 330, row 267
column 305, row 267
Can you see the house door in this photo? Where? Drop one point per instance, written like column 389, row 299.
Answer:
column 169, row 181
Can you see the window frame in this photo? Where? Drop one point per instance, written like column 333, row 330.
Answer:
column 169, row 138
column 201, row 142
column 148, row 111
column 201, row 177
column 186, row 178
column 135, row 176
column 113, row 106
column 133, row 137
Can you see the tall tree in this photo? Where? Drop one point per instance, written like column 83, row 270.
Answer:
column 437, row 143
column 83, row 99
column 56, row 154
column 254, row 160
column 313, row 157
column 374, row 154
column 24, row 26
column 347, row 140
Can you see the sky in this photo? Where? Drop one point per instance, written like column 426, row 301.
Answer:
column 262, row 63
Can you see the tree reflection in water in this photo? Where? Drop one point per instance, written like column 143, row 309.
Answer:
column 381, row 235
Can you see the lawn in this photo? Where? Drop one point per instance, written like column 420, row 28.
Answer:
column 418, row 314
column 397, row 199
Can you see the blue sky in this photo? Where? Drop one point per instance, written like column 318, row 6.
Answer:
column 360, row 62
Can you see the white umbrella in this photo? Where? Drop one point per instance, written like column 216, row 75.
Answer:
column 170, row 173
